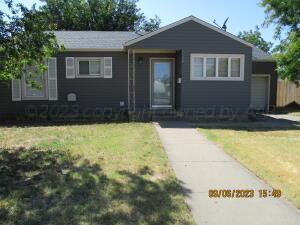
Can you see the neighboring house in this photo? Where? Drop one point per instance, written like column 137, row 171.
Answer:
column 187, row 64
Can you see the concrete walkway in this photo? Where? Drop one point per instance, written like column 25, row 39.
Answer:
column 200, row 165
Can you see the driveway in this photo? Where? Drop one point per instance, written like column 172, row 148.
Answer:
column 200, row 165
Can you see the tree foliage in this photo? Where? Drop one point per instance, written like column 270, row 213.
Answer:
column 23, row 41
column 151, row 25
column 101, row 15
column 254, row 37
column 288, row 58
column 25, row 37
column 286, row 15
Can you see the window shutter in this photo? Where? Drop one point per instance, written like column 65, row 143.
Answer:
column 52, row 79
column 70, row 68
column 107, row 67
column 16, row 90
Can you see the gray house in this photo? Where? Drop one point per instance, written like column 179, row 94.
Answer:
column 187, row 64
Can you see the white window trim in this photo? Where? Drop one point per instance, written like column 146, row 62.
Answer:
column 77, row 59
column 24, row 95
column 217, row 56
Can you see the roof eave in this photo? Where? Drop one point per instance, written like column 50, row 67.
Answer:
column 263, row 60
column 94, row 49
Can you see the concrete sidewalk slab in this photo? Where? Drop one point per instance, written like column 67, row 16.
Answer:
column 200, row 165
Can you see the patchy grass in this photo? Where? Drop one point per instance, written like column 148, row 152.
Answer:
column 87, row 174
column 292, row 109
column 272, row 154
column 294, row 114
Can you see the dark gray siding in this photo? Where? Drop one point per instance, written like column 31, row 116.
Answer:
column 91, row 92
column 97, row 91
column 192, row 37
column 268, row 68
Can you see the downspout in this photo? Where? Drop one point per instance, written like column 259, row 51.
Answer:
column 133, row 79
column 128, row 86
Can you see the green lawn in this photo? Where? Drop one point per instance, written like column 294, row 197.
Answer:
column 272, row 154
column 87, row 174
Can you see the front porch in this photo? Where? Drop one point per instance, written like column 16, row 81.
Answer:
column 154, row 79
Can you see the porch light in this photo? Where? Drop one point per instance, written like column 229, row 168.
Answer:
column 140, row 60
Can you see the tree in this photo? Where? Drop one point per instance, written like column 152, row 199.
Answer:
column 23, row 41
column 102, row 15
column 286, row 15
column 288, row 58
column 151, row 25
column 254, row 37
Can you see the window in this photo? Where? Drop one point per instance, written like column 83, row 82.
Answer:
column 223, row 67
column 89, row 67
column 34, row 84
column 210, row 67
column 198, row 63
column 235, row 67
column 217, row 67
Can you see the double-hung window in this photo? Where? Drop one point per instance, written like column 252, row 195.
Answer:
column 217, row 67
column 198, row 67
column 34, row 84
column 89, row 67
column 210, row 67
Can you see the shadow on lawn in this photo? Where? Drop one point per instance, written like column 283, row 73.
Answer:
column 54, row 187
column 263, row 125
column 8, row 124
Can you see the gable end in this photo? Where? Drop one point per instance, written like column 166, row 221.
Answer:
column 187, row 19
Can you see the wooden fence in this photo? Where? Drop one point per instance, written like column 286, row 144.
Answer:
column 287, row 92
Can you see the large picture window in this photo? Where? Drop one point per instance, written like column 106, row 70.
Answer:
column 217, row 67
column 89, row 67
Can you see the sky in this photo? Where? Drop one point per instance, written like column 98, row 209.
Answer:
column 243, row 14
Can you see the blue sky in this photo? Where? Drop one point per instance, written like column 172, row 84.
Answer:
column 243, row 14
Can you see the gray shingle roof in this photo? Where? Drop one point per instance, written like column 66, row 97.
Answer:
column 260, row 55
column 114, row 40
column 94, row 39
